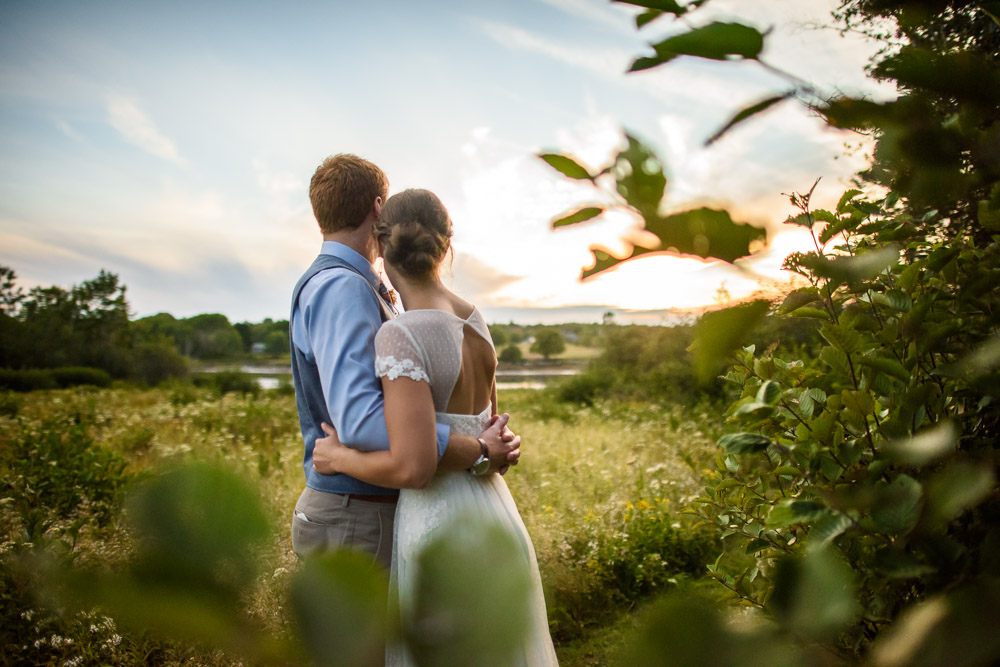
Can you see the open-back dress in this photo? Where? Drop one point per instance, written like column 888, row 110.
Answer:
column 455, row 356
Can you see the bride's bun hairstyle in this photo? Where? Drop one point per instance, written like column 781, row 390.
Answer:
column 415, row 231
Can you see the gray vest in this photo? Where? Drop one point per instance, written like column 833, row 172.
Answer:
column 309, row 398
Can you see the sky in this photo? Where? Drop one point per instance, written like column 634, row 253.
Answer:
column 172, row 143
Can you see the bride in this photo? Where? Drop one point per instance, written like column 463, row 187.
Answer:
column 437, row 364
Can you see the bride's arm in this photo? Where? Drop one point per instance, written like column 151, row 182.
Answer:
column 411, row 460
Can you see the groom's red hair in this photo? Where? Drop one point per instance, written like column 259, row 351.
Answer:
column 343, row 191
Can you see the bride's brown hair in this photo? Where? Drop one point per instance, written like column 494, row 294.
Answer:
column 415, row 231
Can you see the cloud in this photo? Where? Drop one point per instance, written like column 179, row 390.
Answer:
column 139, row 130
column 476, row 280
column 605, row 62
column 598, row 11
column 274, row 181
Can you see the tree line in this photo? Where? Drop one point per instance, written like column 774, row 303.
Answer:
column 87, row 326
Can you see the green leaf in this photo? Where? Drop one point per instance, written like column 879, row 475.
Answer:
column 814, row 594
column 796, row 511
column 798, row 298
column 898, row 506
column 471, row 570
column 852, row 269
column 715, row 41
column 338, row 599
column 958, row 487
column 811, row 313
column 746, row 113
column 666, row 6
column 581, row 215
column 718, row 333
column 769, row 392
column 647, row 17
column 897, row 564
column 788, row 471
column 890, row 367
column 743, row 443
column 929, row 445
column 846, row 199
column 640, row 179
column 957, row 629
column 827, row 528
column 703, row 232
column 566, row 166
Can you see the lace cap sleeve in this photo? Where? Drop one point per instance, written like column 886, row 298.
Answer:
column 398, row 355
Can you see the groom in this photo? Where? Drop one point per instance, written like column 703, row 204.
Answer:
column 338, row 305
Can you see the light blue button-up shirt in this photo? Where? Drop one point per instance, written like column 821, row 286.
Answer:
column 334, row 325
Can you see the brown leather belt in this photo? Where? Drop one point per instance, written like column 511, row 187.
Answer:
column 386, row 498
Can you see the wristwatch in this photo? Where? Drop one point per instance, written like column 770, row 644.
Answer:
column 482, row 464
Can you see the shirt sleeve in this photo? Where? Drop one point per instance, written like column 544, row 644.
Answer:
column 337, row 319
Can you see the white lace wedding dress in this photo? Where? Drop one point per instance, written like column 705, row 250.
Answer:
column 427, row 345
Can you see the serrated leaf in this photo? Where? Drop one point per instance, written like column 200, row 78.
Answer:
column 747, row 113
column 581, row 215
column 566, row 166
column 845, row 199
column 852, row 269
column 788, row 471
column 715, row 41
column 743, row 443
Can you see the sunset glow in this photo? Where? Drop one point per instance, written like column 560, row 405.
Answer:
column 173, row 144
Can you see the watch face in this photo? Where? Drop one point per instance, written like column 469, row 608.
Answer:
column 481, row 466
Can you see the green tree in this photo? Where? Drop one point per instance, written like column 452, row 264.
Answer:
column 511, row 354
column 548, row 342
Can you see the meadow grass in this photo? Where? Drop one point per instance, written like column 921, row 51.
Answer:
column 601, row 490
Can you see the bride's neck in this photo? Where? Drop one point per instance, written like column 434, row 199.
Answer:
column 420, row 294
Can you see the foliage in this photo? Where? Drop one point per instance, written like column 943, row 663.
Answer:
column 858, row 502
column 639, row 187
column 225, row 382
column 548, row 342
column 511, row 354
column 54, row 468
column 878, row 448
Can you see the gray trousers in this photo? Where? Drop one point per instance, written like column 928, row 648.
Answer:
column 329, row 521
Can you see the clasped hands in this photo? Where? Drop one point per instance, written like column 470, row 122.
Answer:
column 503, row 445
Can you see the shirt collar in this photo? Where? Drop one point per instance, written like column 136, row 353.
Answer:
column 352, row 257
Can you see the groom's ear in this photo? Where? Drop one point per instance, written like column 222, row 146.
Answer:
column 377, row 206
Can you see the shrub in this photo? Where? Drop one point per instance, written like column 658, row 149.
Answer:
column 511, row 354
column 56, row 466
column 72, row 376
column 10, row 405
column 225, row 382
column 156, row 361
column 31, row 379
